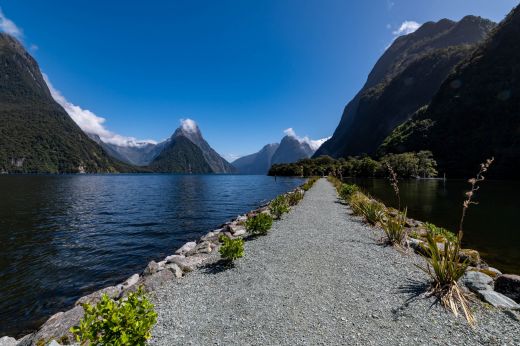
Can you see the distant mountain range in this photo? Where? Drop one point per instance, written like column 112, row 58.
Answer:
column 36, row 134
column 404, row 79
column 475, row 114
column 290, row 149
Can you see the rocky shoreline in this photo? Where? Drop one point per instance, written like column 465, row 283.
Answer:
column 189, row 257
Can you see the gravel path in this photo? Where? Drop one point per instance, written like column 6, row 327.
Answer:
column 319, row 278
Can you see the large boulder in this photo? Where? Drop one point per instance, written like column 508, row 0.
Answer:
column 95, row 297
column 498, row 300
column 156, row 280
column 7, row 341
column 509, row 285
column 477, row 281
column 151, row 268
column 56, row 328
column 185, row 248
column 203, row 247
column 188, row 264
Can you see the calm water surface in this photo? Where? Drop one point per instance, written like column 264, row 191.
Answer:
column 62, row 237
column 491, row 227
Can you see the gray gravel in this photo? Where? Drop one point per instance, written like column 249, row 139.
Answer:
column 319, row 278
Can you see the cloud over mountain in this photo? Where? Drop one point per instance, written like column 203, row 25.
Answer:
column 313, row 143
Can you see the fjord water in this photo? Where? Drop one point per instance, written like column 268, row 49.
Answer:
column 65, row 236
column 491, row 227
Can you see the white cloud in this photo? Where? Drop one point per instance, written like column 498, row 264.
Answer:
column 34, row 47
column 313, row 143
column 9, row 27
column 189, row 125
column 231, row 157
column 407, row 27
column 90, row 122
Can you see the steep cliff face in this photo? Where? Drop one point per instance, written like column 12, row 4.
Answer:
column 36, row 134
column 404, row 79
column 476, row 112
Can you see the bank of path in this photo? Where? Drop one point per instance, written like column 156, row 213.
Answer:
column 320, row 277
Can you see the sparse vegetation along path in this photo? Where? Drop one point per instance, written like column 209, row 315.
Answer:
column 319, row 277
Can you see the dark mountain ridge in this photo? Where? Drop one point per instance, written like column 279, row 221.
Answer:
column 476, row 112
column 36, row 134
column 405, row 78
column 257, row 163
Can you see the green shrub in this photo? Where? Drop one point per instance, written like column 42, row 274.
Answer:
column 279, row 206
column 295, row 197
column 128, row 321
column 259, row 224
column 394, row 227
column 373, row 211
column 231, row 249
column 440, row 232
column 346, row 190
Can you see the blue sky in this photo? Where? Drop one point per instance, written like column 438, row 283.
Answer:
column 243, row 70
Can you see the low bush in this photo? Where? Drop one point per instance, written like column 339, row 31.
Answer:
column 346, row 190
column 394, row 228
column 259, row 224
column 295, row 197
column 439, row 232
column 128, row 321
column 231, row 249
column 373, row 211
column 279, row 206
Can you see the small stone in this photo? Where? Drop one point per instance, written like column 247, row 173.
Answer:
column 498, row 300
column 7, row 341
column 186, row 247
column 509, row 285
column 175, row 269
column 477, row 281
column 242, row 218
column 234, row 228
column 54, row 343
column 172, row 258
column 151, row 268
column 470, row 255
column 161, row 265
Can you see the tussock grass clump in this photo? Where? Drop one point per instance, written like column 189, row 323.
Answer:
column 231, row 249
column 445, row 267
column 309, row 183
column 259, row 224
column 394, row 227
column 295, row 197
column 279, row 206
column 346, row 190
column 439, row 233
column 373, row 211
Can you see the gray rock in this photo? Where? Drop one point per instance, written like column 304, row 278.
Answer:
column 162, row 265
column 173, row 258
column 240, row 232
column 203, row 247
column 241, row 218
column 151, row 268
column 7, row 341
column 234, row 228
column 156, row 280
column 477, row 281
column 212, row 236
column 175, row 269
column 54, row 343
column 498, row 300
column 188, row 264
column 494, row 270
column 57, row 327
column 509, row 285
column 95, row 297
column 132, row 280
column 417, row 245
column 185, row 248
